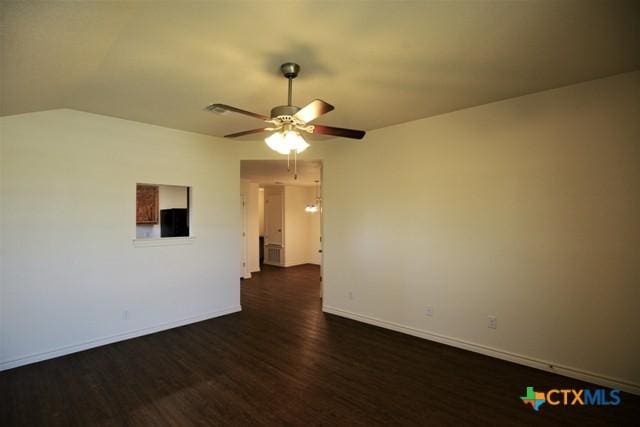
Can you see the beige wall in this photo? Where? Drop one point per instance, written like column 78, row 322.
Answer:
column 296, row 226
column 526, row 209
column 71, row 277
column 172, row 196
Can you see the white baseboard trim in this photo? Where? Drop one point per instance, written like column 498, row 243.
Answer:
column 61, row 351
column 544, row 365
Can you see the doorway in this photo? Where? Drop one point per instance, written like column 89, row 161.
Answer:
column 284, row 227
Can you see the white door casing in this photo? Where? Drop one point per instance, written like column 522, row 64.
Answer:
column 244, row 270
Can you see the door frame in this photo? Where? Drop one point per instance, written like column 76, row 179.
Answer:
column 244, row 248
column 321, row 213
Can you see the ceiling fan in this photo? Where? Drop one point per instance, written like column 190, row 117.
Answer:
column 288, row 121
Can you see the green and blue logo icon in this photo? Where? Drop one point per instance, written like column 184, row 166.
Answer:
column 533, row 398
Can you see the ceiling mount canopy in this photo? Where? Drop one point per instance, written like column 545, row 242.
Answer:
column 288, row 122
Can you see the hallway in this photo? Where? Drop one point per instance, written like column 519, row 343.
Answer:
column 282, row 361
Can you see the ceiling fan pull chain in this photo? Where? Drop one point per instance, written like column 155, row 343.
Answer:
column 295, row 164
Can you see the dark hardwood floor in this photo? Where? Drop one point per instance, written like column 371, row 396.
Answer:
column 281, row 361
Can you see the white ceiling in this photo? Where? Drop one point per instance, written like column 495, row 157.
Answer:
column 379, row 63
column 270, row 172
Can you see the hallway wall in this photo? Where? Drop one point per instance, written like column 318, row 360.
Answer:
column 296, row 226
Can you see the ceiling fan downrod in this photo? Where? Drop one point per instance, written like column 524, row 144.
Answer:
column 290, row 70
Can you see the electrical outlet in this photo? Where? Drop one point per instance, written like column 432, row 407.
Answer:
column 493, row 322
column 350, row 295
column 428, row 311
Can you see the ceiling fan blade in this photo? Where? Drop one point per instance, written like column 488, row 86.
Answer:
column 246, row 132
column 220, row 108
column 345, row 133
column 313, row 110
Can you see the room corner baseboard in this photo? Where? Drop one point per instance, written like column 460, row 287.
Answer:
column 492, row 352
column 74, row 348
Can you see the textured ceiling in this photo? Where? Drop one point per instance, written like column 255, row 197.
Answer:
column 379, row 63
column 268, row 172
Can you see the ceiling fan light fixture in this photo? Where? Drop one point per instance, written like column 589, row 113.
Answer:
column 286, row 142
column 315, row 207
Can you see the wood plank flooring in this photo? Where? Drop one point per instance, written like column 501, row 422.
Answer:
column 281, row 361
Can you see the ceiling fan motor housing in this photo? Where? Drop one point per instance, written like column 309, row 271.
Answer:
column 284, row 110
